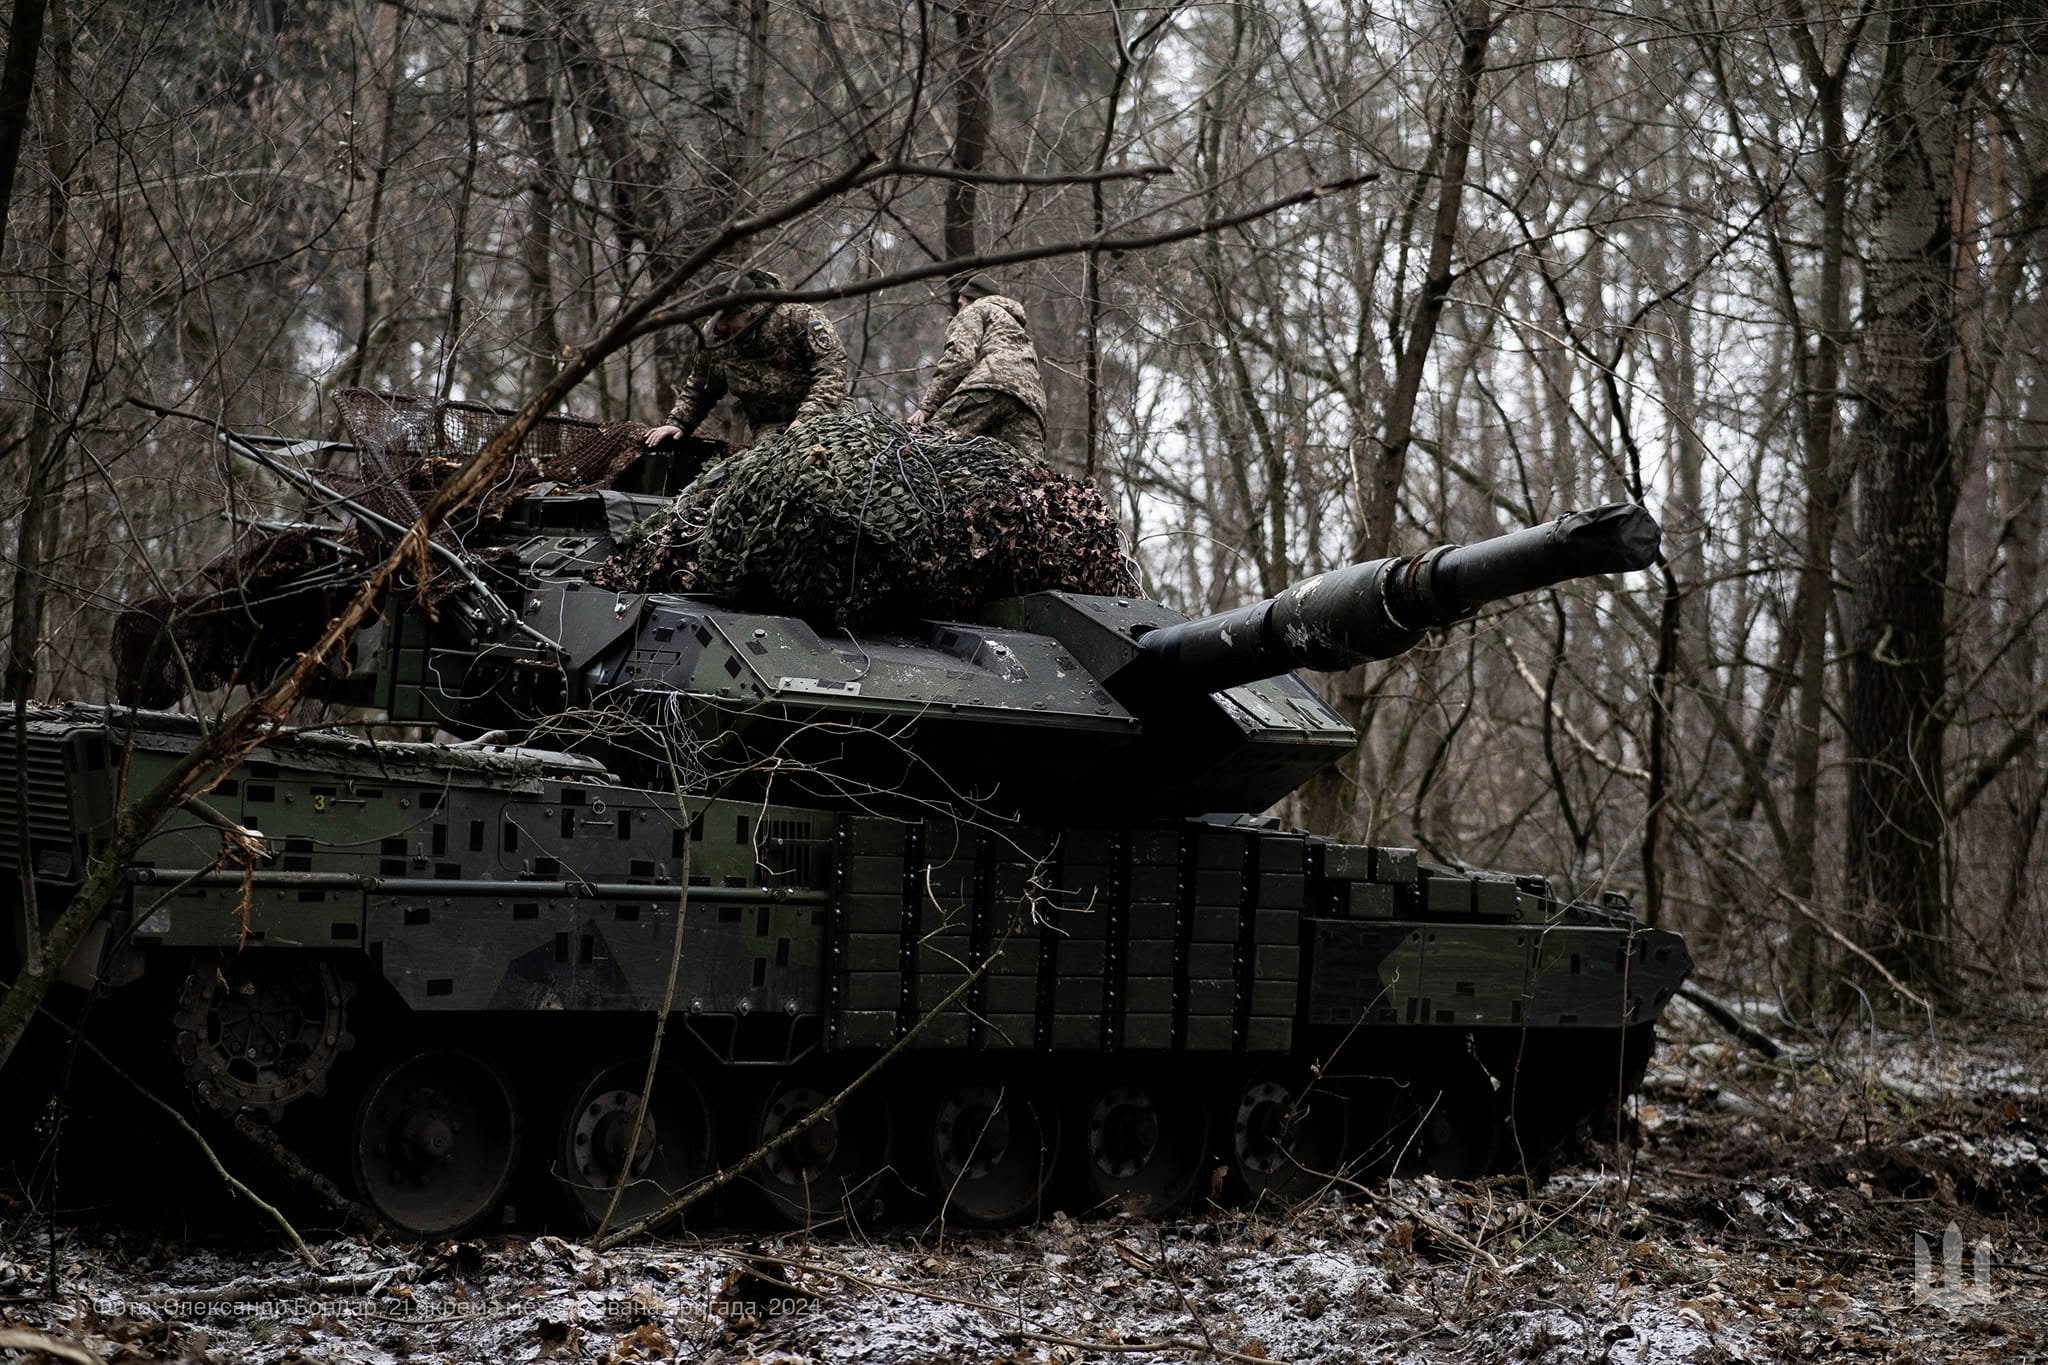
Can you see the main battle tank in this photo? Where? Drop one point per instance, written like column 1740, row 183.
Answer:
column 1016, row 858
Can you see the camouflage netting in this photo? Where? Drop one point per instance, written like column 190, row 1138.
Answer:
column 407, row 446
column 855, row 516
column 266, row 599
column 263, row 602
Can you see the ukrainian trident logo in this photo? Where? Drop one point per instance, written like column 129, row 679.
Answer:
column 1947, row 1288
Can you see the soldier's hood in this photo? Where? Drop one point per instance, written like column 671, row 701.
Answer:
column 1008, row 305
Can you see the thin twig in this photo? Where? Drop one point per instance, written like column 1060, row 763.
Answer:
column 1166, row 1265
column 981, row 1305
column 867, row 1282
column 1435, row 1226
column 653, row 319
column 668, row 1001
column 713, row 1183
column 1819, row 921
column 298, row 1243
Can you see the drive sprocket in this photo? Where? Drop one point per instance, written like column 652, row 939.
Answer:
column 256, row 1033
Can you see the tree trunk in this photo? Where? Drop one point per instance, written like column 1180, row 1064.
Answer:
column 451, row 340
column 1329, row 794
column 1907, row 482
column 970, row 131
column 359, row 367
column 1815, row 593
column 544, row 341
column 46, row 430
column 1381, row 492
column 17, row 85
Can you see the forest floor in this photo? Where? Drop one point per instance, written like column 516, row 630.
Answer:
column 1770, row 1213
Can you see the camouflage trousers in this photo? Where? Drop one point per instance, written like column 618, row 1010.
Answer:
column 986, row 412
column 756, row 427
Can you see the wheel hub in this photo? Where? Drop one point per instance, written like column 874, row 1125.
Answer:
column 988, row 1154
column 972, row 1132
column 807, row 1157
column 429, row 1138
column 673, row 1148
column 435, row 1142
column 826, row 1163
column 1460, row 1132
column 604, row 1130
column 1123, row 1131
column 1264, row 1119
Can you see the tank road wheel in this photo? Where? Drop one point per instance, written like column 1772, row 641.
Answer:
column 988, row 1152
column 827, row 1165
column 673, row 1149
column 1453, row 1127
column 1286, row 1138
column 435, row 1142
column 1144, row 1142
column 260, row 1032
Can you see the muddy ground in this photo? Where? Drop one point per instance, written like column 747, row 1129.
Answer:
column 1770, row 1212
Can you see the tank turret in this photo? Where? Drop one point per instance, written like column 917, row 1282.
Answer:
column 1065, row 702
column 1035, row 706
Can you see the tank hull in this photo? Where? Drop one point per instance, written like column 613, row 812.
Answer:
column 494, row 928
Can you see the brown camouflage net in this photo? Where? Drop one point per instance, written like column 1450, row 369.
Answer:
column 407, row 446
column 855, row 516
column 421, row 441
column 266, row 599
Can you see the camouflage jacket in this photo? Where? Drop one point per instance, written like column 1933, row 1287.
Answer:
column 987, row 348
column 787, row 366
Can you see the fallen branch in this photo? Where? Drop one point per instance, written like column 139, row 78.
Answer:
column 261, row 1137
column 256, row 1291
column 298, row 1242
column 35, row 1343
column 1724, row 1014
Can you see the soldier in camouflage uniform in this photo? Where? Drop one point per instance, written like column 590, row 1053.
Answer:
column 986, row 383
column 781, row 362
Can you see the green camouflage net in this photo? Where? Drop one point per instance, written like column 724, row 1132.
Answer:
column 853, row 516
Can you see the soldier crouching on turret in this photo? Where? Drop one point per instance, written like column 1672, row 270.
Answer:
column 987, row 382
column 781, row 362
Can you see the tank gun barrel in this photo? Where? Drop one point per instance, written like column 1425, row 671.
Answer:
column 1381, row 608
